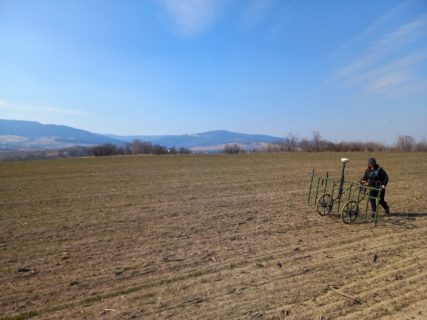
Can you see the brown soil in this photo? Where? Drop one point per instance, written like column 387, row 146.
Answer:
column 212, row 237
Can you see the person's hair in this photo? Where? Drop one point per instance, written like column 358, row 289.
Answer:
column 372, row 161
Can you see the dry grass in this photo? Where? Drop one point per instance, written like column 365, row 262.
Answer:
column 206, row 237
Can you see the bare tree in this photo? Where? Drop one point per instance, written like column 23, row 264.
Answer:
column 184, row 150
column 279, row 145
column 316, row 141
column 292, row 142
column 421, row 146
column 233, row 149
column 305, row 145
column 107, row 149
column 405, row 143
column 134, row 147
column 374, row 146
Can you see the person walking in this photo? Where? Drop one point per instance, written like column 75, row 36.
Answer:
column 376, row 177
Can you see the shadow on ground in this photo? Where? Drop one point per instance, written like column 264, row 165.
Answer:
column 409, row 215
column 403, row 219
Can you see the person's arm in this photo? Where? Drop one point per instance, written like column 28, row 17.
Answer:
column 365, row 178
column 384, row 178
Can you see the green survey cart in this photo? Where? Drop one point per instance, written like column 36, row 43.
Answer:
column 329, row 194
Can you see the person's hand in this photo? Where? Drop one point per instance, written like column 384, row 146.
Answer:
column 383, row 187
column 363, row 181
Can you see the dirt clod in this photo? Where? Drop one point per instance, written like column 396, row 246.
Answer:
column 375, row 258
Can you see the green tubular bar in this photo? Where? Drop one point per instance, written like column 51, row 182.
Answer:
column 377, row 200
column 357, row 199
column 317, row 189
column 326, row 182
column 311, row 186
column 339, row 200
column 354, row 190
column 334, row 183
column 349, row 192
column 366, row 209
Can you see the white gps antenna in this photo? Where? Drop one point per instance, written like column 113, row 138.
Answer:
column 343, row 161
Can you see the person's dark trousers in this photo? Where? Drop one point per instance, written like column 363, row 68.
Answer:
column 382, row 202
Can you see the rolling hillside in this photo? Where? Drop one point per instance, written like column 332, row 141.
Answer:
column 30, row 135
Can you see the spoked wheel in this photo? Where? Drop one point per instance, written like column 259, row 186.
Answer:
column 350, row 212
column 325, row 204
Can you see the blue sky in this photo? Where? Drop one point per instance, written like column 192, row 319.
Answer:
column 350, row 69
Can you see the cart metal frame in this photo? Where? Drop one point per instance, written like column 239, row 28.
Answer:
column 327, row 194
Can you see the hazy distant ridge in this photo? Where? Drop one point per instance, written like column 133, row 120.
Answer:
column 204, row 139
column 28, row 135
column 17, row 134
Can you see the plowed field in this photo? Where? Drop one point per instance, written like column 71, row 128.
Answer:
column 211, row 237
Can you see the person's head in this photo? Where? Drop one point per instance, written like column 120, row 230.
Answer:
column 372, row 163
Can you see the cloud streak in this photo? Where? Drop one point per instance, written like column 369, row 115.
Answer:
column 4, row 104
column 390, row 61
column 63, row 111
column 386, row 45
column 256, row 11
column 388, row 77
column 373, row 28
column 191, row 17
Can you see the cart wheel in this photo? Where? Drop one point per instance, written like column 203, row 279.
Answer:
column 350, row 212
column 324, row 204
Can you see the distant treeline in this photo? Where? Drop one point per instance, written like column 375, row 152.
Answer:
column 132, row 148
column 318, row 144
column 289, row 144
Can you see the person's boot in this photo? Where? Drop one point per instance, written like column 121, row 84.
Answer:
column 387, row 211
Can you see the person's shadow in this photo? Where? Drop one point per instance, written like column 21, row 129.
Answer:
column 403, row 219
column 409, row 215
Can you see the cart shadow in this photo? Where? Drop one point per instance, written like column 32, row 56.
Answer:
column 393, row 220
column 402, row 219
column 412, row 215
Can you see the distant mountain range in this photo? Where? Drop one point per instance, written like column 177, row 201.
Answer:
column 205, row 141
column 30, row 135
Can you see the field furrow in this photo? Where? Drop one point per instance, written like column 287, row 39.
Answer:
column 212, row 237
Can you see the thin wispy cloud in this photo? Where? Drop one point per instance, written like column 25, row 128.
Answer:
column 372, row 29
column 4, row 104
column 383, row 83
column 63, row 110
column 7, row 105
column 386, row 45
column 282, row 17
column 191, row 17
column 390, row 76
column 255, row 12
column 389, row 62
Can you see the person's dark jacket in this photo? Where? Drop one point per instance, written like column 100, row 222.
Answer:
column 376, row 177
